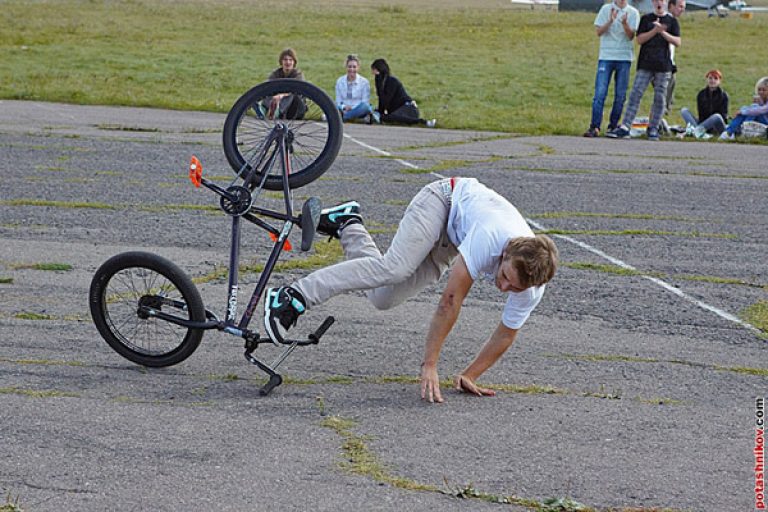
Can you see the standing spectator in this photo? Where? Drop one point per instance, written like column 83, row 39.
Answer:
column 615, row 24
column 712, row 104
column 353, row 93
column 657, row 31
column 676, row 8
column 758, row 111
column 395, row 106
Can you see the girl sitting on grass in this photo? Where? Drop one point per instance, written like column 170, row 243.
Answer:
column 758, row 111
column 395, row 106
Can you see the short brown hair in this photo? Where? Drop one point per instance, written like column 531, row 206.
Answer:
column 288, row 52
column 534, row 258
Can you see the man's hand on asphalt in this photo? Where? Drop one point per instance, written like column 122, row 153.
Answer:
column 430, row 384
column 465, row 384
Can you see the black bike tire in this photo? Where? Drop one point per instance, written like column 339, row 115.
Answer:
column 298, row 177
column 171, row 272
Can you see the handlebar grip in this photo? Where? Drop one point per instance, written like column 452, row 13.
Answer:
column 328, row 322
column 274, row 381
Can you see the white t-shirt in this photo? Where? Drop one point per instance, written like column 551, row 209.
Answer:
column 614, row 44
column 479, row 225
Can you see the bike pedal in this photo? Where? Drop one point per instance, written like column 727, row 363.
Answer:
column 310, row 217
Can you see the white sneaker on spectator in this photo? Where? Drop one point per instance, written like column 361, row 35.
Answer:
column 727, row 136
column 431, row 123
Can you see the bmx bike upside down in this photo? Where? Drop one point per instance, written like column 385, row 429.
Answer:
column 149, row 311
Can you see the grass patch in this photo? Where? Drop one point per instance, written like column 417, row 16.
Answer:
column 762, row 372
column 122, row 128
column 26, row 315
column 339, row 379
column 359, row 459
column 53, row 267
column 719, row 176
column 635, row 216
column 617, row 270
column 33, row 393
column 757, row 315
column 57, row 204
column 605, row 268
column 326, row 253
column 11, row 504
column 637, row 232
column 449, row 143
column 6, row 280
column 45, row 362
column 744, row 370
column 142, row 53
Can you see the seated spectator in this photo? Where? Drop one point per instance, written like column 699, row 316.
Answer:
column 285, row 106
column 395, row 106
column 758, row 111
column 353, row 93
column 712, row 104
column 288, row 62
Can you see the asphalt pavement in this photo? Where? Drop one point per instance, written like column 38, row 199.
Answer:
column 632, row 386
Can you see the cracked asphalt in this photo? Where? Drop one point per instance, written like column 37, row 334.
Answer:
column 627, row 389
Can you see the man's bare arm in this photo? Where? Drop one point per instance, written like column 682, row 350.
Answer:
column 443, row 320
column 501, row 339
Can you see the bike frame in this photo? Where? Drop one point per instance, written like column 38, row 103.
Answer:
column 275, row 147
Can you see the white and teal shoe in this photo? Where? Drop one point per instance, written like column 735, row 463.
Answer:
column 336, row 218
column 282, row 308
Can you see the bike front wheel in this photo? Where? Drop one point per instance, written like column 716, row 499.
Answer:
column 127, row 290
column 313, row 132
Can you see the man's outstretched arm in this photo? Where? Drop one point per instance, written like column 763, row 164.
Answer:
column 459, row 283
column 501, row 339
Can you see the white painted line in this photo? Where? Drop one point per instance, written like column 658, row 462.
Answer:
column 663, row 284
column 381, row 152
column 670, row 288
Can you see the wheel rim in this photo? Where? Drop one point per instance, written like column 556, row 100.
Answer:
column 306, row 138
column 146, row 335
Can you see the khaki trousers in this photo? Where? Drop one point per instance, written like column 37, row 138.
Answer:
column 419, row 254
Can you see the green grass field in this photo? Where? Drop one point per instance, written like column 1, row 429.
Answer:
column 490, row 67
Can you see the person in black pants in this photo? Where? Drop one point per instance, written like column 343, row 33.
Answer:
column 395, row 106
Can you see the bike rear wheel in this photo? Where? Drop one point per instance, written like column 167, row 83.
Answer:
column 313, row 132
column 124, row 293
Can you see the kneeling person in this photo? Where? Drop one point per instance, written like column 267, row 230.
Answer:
column 455, row 223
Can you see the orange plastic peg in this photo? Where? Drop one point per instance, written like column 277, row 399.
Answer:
column 286, row 244
column 195, row 171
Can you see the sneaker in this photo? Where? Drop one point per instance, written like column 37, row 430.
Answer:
column 592, row 132
column 260, row 111
column 431, row 123
column 701, row 133
column 690, row 129
column 727, row 136
column 282, row 308
column 367, row 119
column 653, row 134
column 622, row 132
column 336, row 218
column 376, row 117
column 664, row 127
